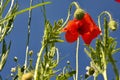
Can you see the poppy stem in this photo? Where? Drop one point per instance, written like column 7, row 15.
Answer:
column 77, row 48
column 28, row 36
column 69, row 11
column 101, row 14
column 38, row 61
column 76, row 4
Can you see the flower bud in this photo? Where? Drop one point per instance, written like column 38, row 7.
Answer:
column 79, row 13
column 13, row 69
column 15, row 59
column 31, row 52
column 91, row 71
column 112, row 25
column 68, row 62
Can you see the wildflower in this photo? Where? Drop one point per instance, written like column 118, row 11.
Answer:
column 84, row 27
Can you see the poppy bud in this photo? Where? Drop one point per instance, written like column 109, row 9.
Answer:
column 91, row 71
column 112, row 25
column 30, row 53
column 79, row 13
column 15, row 59
column 13, row 69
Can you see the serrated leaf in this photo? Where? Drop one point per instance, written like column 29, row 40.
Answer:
column 116, row 50
column 87, row 52
column 56, row 40
column 65, row 76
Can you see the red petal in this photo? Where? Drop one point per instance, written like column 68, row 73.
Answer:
column 117, row 1
column 71, row 36
column 88, row 24
column 71, row 26
column 88, row 37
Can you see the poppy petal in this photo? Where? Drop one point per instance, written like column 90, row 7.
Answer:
column 71, row 36
column 117, row 1
column 88, row 37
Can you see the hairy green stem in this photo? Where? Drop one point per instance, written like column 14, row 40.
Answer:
column 76, row 4
column 95, row 77
column 38, row 61
column 77, row 49
column 105, row 50
column 114, row 67
column 105, row 75
column 101, row 14
column 69, row 11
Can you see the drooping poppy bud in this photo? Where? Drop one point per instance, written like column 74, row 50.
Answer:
column 79, row 14
column 112, row 25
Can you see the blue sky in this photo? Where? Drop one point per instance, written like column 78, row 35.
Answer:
column 55, row 11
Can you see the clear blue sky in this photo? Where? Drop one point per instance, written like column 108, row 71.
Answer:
column 55, row 11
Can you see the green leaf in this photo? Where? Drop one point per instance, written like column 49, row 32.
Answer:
column 22, row 11
column 4, row 54
column 87, row 52
column 65, row 76
column 4, row 6
column 116, row 50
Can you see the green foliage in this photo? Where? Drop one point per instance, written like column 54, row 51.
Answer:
column 52, row 33
column 65, row 76
column 51, row 55
column 102, row 54
column 4, row 54
column 6, row 24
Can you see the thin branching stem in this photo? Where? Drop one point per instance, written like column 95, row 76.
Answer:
column 57, row 55
column 24, row 10
column 12, row 3
column 28, row 36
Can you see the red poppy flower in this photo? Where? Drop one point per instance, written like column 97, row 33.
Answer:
column 117, row 1
column 86, row 28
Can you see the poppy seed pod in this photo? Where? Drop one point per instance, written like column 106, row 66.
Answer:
column 79, row 14
column 112, row 25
